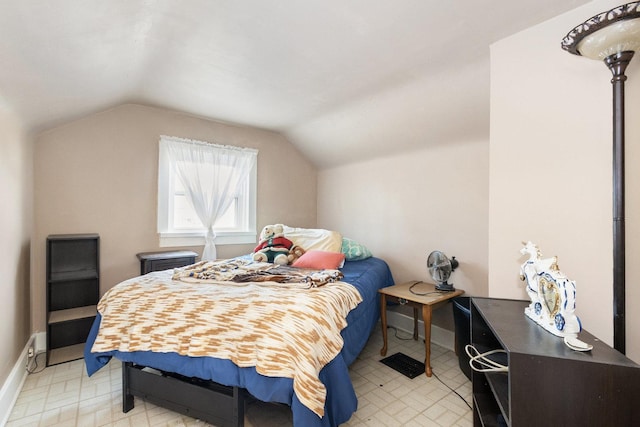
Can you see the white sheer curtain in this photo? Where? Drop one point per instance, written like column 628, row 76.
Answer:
column 212, row 175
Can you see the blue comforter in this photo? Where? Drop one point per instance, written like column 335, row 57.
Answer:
column 367, row 276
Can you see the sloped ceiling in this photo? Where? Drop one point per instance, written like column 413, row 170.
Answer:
column 342, row 79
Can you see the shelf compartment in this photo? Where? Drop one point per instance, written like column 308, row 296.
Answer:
column 75, row 293
column 72, row 314
column 70, row 252
column 65, row 354
column 71, row 332
column 486, row 410
column 67, row 276
column 499, row 384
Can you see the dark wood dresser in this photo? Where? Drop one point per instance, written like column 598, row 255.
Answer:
column 157, row 261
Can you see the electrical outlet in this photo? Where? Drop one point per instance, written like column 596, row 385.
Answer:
column 31, row 353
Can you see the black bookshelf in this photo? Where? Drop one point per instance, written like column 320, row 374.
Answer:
column 73, row 290
column 548, row 383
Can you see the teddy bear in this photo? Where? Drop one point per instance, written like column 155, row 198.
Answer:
column 295, row 252
column 273, row 246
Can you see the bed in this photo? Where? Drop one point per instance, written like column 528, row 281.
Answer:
column 215, row 389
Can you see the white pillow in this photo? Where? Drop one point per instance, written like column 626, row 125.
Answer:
column 314, row 238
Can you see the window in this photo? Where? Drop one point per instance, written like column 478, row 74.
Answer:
column 219, row 181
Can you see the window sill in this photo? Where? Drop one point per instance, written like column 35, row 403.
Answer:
column 197, row 238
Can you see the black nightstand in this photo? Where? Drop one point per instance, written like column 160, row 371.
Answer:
column 157, row 261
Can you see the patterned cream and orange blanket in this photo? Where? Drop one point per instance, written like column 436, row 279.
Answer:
column 280, row 330
column 243, row 270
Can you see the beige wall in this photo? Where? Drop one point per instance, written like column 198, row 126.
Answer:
column 550, row 174
column 16, row 193
column 405, row 206
column 99, row 174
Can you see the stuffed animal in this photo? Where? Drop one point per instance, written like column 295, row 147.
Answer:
column 273, row 247
column 295, row 252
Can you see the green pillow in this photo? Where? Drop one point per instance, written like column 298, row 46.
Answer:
column 354, row 251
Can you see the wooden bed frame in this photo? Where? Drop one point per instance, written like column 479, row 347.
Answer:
column 204, row 400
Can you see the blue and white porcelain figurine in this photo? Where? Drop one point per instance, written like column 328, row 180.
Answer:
column 552, row 294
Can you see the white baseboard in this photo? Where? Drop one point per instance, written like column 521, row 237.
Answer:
column 13, row 385
column 440, row 336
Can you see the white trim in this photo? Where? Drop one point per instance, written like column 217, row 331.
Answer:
column 197, row 238
column 15, row 381
column 245, row 232
column 440, row 336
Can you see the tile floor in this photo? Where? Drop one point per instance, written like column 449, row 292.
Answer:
column 63, row 395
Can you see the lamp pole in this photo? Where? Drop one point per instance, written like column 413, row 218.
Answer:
column 614, row 36
column 617, row 63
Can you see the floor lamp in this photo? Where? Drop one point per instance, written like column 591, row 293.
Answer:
column 613, row 37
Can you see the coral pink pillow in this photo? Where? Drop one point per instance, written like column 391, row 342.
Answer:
column 320, row 260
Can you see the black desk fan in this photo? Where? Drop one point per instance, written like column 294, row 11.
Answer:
column 440, row 267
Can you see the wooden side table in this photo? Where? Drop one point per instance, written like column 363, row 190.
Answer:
column 418, row 295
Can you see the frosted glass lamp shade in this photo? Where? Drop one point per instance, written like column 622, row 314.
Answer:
column 611, row 32
column 618, row 37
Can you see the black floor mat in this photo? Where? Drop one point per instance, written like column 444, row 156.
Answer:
column 404, row 364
